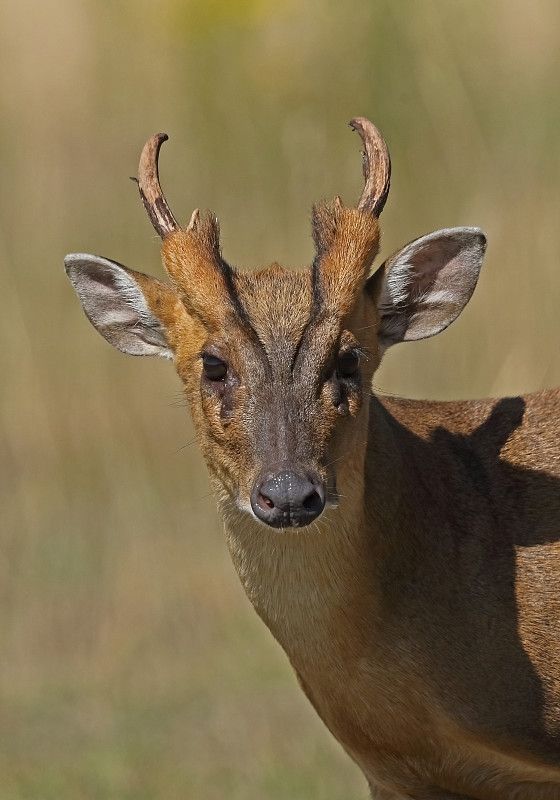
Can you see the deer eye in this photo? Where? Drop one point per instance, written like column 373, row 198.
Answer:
column 348, row 364
column 214, row 368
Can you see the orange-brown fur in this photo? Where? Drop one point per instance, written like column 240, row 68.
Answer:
column 400, row 646
column 421, row 615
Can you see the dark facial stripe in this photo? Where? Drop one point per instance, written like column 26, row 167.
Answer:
column 241, row 312
column 316, row 286
column 318, row 310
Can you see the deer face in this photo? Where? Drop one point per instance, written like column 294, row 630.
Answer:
column 277, row 365
column 278, row 370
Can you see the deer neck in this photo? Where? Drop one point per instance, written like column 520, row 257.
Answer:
column 306, row 583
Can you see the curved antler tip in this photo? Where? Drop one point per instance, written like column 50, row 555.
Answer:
column 356, row 122
column 153, row 144
column 377, row 166
column 150, row 191
column 364, row 126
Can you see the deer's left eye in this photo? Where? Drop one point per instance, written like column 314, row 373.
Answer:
column 348, row 364
column 214, row 368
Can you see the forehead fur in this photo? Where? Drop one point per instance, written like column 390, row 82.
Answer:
column 278, row 302
column 274, row 306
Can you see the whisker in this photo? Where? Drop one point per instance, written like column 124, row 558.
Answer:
column 323, row 521
column 345, row 454
column 367, row 327
column 176, row 399
column 188, row 444
column 203, row 497
column 386, row 393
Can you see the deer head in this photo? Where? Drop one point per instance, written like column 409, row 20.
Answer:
column 277, row 365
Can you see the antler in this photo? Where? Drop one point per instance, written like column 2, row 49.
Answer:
column 377, row 167
column 150, row 191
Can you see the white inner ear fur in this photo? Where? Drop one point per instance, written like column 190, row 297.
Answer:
column 115, row 305
column 428, row 283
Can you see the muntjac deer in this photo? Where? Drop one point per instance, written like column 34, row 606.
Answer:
column 404, row 554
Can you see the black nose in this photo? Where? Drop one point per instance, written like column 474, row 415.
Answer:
column 288, row 500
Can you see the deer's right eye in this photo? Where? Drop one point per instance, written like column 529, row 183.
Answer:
column 214, row 368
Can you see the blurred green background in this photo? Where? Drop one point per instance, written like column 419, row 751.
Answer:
column 131, row 664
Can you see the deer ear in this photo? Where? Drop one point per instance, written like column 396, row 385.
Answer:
column 423, row 288
column 120, row 303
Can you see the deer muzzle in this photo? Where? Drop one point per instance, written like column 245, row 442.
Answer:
column 288, row 499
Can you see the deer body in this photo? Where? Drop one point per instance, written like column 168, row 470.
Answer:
column 404, row 554
column 473, row 612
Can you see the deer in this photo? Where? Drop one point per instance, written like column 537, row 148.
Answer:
column 403, row 553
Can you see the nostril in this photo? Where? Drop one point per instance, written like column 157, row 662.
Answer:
column 313, row 502
column 265, row 501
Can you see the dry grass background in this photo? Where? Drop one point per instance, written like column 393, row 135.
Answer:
column 131, row 665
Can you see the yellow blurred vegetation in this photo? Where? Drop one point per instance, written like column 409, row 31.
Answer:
column 131, row 665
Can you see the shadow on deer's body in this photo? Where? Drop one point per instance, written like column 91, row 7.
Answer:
column 404, row 554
